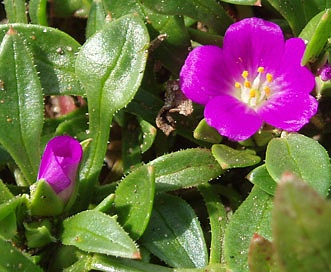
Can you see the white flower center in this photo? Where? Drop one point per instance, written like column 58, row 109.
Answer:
column 253, row 93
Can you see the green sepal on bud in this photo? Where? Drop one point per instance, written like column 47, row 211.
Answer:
column 44, row 201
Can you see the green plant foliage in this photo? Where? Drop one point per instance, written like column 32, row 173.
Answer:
column 300, row 222
column 261, row 255
column 15, row 11
column 317, row 32
column 174, row 234
column 20, row 87
column 184, row 169
column 208, row 12
column 94, row 231
column 299, row 12
column 171, row 49
column 228, row 157
column 301, row 156
column 13, row 259
column 134, row 199
column 253, row 216
column 37, row 12
column 53, row 53
column 110, row 81
column 96, row 18
column 261, row 178
column 157, row 188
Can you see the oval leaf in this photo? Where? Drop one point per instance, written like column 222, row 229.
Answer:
column 94, row 231
column 301, row 222
column 185, row 168
column 54, row 53
column 261, row 178
column 21, row 104
column 134, row 200
column 301, row 156
column 253, row 216
column 110, row 66
column 317, row 32
column 228, row 157
column 174, row 234
column 14, row 260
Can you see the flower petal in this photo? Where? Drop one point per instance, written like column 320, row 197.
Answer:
column 202, row 76
column 289, row 111
column 251, row 43
column 298, row 77
column 232, row 118
column 60, row 162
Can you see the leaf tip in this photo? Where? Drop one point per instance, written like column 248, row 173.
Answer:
column 136, row 255
column 11, row 31
column 258, row 3
column 287, row 177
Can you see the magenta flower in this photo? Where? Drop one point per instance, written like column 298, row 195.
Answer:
column 325, row 72
column 59, row 164
column 256, row 77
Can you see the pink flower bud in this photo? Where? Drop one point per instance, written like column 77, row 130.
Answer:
column 59, row 165
column 325, row 72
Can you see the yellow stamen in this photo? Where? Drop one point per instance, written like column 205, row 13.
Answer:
column 248, row 84
column 267, row 91
column 269, row 77
column 252, row 93
column 237, row 85
column 244, row 74
column 260, row 69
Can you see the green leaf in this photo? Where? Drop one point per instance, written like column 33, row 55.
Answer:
column 244, row 2
column 302, row 156
column 106, row 204
column 174, row 234
column 317, row 32
column 96, row 19
column 111, row 73
column 148, row 134
column 253, row 216
column 8, row 225
column 299, row 12
column 208, row 12
column 94, row 231
column 131, row 152
column 217, row 221
column 261, row 255
column 301, row 222
column 38, row 12
column 15, row 11
column 172, row 50
column 261, row 178
column 183, row 169
column 134, row 200
column 54, row 53
column 5, row 194
column 14, row 260
column 228, row 157
column 64, row 8
column 108, row 263
column 207, row 133
column 21, row 125
column 38, row 234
